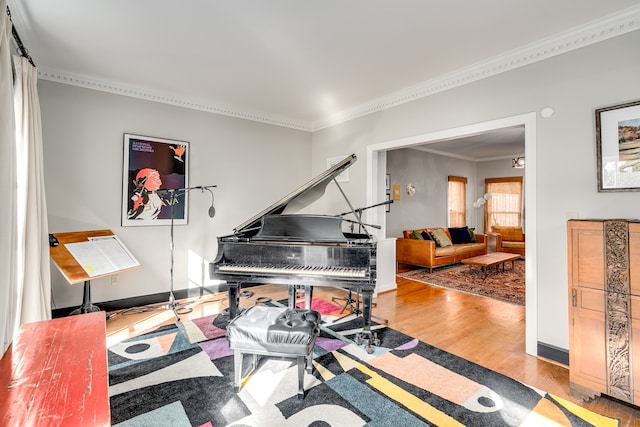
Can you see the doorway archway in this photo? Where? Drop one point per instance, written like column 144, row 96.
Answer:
column 376, row 171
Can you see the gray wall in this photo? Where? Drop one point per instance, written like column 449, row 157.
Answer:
column 429, row 172
column 575, row 84
column 253, row 164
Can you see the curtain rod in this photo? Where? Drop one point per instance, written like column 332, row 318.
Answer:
column 22, row 50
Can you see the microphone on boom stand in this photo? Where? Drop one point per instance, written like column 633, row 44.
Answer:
column 212, row 209
column 173, row 194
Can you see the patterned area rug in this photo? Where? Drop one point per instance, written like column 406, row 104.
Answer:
column 181, row 375
column 507, row 285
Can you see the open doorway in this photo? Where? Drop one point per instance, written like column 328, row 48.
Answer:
column 376, row 171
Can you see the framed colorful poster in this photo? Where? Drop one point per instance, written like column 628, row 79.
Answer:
column 155, row 171
column 618, row 147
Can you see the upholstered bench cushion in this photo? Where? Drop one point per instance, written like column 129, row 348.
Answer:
column 275, row 330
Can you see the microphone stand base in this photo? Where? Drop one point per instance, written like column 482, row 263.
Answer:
column 176, row 307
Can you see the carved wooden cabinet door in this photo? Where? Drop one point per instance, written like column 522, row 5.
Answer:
column 604, row 308
column 634, row 275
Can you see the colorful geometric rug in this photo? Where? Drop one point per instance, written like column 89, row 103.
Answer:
column 162, row 378
column 507, row 285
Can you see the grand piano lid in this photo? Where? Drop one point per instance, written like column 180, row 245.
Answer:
column 303, row 196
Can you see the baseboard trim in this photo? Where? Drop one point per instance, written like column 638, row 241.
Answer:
column 554, row 353
column 142, row 300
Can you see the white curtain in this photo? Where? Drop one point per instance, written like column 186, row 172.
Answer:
column 8, row 181
column 34, row 294
column 25, row 288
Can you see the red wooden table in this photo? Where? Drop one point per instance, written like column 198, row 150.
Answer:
column 55, row 374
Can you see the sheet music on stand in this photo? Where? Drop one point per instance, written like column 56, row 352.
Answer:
column 101, row 255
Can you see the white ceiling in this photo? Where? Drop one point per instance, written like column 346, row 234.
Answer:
column 499, row 144
column 302, row 64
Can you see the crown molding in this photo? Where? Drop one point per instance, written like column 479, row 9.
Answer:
column 576, row 38
column 171, row 99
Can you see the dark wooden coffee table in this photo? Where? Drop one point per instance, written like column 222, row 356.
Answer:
column 490, row 260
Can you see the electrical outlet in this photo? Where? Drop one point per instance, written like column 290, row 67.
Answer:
column 114, row 279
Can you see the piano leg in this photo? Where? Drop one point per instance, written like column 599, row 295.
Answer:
column 367, row 336
column 234, row 299
column 308, row 296
column 293, row 295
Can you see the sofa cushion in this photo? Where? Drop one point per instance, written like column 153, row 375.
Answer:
column 441, row 237
column 509, row 233
column 446, row 251
column 415, row 234
column 513, row 245
column 460, row 235
column 472, row 233
column 425, row 235
column 465, row 248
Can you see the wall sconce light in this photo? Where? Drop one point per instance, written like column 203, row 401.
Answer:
column 517, row 162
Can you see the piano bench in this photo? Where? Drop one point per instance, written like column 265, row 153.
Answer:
column 275, row 332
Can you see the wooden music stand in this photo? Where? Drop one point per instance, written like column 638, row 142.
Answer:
column 71, row 264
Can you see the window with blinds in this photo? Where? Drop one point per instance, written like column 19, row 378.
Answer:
column 457, row 201
column 505, row 205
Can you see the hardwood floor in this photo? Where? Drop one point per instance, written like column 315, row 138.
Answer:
column 485, row 331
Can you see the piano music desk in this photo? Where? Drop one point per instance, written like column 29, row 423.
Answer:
column 55, row 374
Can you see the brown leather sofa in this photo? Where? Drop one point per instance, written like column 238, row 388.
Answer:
column 426, row 253
column 509, row 239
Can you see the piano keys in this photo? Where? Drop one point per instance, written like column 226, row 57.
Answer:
column 301, row 251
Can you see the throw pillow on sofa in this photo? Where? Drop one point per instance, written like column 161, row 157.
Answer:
column 441, row 238
column 460, row 235
column 426, row 236
column 415, row 234
column 472, row 233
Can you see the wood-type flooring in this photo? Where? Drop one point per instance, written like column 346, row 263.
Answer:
column 488, row 332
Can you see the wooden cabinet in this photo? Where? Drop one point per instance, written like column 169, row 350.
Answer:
column 604, row 308
column 634, row 276
column 635, row 334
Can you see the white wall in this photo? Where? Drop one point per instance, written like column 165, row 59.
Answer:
column 253, row 164
column 575, row 84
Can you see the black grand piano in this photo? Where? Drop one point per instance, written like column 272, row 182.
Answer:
column 301, row 250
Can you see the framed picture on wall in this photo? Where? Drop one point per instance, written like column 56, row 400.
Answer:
column 152, row 168
column 387, row 182
column 618, row 147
